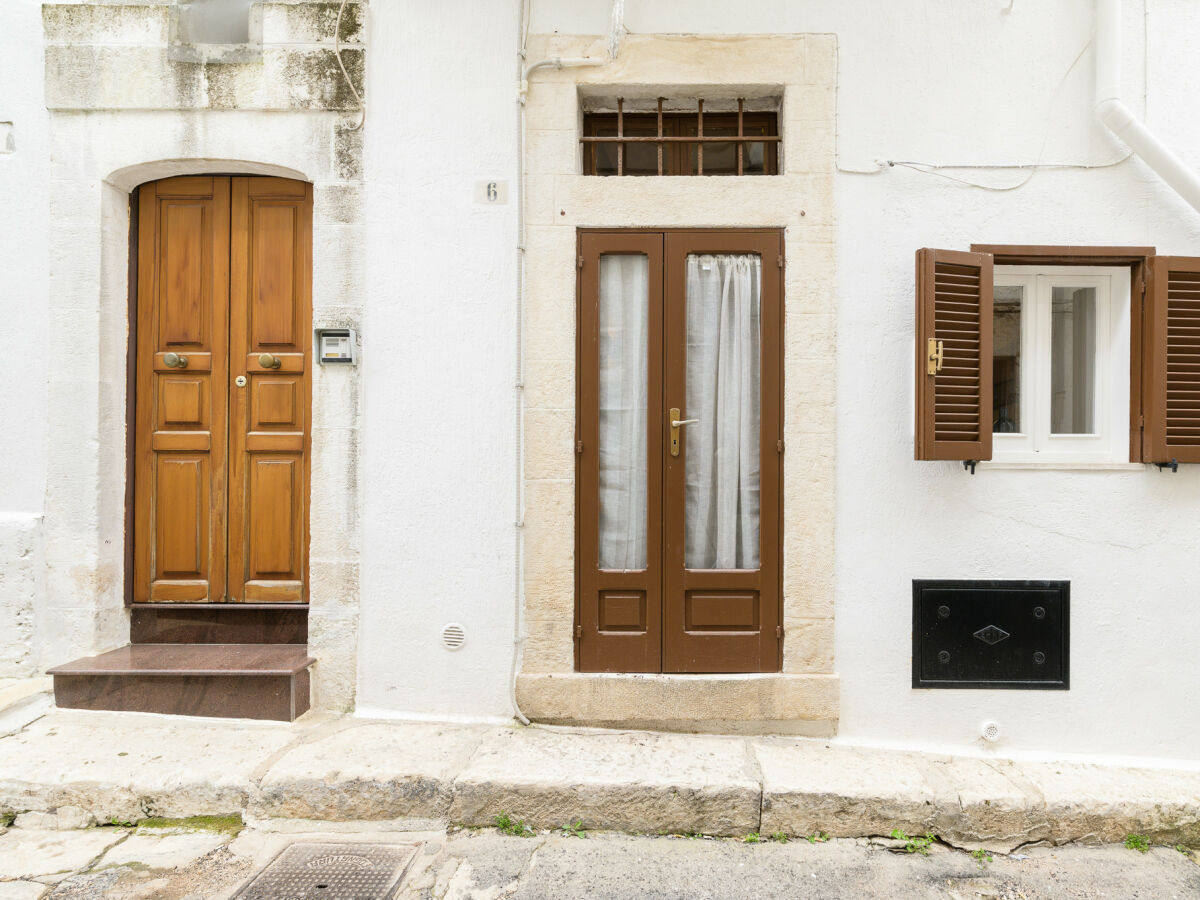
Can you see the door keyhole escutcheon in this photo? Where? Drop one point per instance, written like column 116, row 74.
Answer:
column 676, row 424
column 240, row 381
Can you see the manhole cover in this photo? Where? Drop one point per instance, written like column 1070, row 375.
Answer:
column 331, row 872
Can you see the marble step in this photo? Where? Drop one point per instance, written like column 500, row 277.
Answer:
column 242, row 681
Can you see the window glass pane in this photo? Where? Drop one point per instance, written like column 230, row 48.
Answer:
column 623, row 321
column 1006, row 359
column 722, row 449
column 640, row 158
column 1072, row 360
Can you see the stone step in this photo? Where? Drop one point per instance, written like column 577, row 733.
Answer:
column 245, row 681
column 218, row 623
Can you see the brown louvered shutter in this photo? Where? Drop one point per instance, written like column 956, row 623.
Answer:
column 954, row 355
column 1172, row 360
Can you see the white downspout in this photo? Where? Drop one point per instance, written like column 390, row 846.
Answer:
column 1119, row 119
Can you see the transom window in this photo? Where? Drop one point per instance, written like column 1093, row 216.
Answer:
column 1060, row 360
column 728, row 142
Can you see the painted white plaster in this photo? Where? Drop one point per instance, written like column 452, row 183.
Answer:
column 439, row 359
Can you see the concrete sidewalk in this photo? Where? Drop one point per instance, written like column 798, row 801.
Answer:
column 124, row 767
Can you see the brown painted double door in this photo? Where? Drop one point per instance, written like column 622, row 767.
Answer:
column 222, row 390
column 678, row 452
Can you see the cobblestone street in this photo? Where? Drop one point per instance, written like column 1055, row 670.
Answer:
column 209, row 863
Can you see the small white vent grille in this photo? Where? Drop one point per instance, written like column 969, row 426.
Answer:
column 454, row 636
column 990, row 731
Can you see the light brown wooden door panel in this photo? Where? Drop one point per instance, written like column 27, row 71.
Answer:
column 181, row 412
column 221, row 470
column 270, row 302
column 658, row 614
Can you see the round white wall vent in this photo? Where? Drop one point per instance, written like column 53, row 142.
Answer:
column 454, row 636
column 990, row 731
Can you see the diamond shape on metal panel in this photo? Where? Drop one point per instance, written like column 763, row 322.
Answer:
column 331, row 872
column 990, row 634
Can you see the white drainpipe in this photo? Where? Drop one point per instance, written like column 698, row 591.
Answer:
column 1118, row 118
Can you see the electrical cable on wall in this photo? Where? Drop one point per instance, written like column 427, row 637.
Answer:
column 1031, row 168
column 337, row 52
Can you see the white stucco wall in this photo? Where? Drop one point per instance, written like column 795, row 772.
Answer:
column 985, row 83
column 24, row 282
column 439, row 360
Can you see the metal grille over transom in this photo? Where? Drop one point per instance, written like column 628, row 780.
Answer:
column 331, row 872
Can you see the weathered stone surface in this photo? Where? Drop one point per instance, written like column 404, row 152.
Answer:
column 123, row 766
column 21, row 890
column 846, row 792
column 167, row 851
column 37, row 821
column 370, row 771
column 72, row 817
column 37, row 854
column 626, row 782
column 738, row 704
column 1097, row 804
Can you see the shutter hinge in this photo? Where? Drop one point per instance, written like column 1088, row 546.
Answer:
column 579, row 446
column 578, row 632
column 779, row 631
column 781, row 260
column 579, row 263
column 1141, row 421
column 779, row 446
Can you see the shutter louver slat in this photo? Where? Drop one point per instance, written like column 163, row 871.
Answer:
column 1173, row 360
column 954, row 306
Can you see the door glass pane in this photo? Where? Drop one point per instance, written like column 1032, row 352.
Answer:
column 1072, row 360
column 1006, row 359
column 624, row 320
column 722, row 449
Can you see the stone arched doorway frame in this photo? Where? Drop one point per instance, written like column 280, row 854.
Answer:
column 83, row 609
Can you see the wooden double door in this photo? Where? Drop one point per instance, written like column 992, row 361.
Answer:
column 678, row 450
column 222, row 390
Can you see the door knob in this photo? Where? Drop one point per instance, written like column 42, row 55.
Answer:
column 174, row 361
column 268, row 361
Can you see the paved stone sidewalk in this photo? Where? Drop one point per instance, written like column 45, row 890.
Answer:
column 84, row 767
column 115, row 863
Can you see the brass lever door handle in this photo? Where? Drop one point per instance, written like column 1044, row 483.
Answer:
column 269, row 361
column 174, row 361
column 676, row 423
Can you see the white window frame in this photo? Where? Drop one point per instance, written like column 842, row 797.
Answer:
column 1035, row 443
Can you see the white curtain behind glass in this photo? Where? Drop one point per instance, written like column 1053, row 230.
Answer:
column 722, row 469
column 624, row 318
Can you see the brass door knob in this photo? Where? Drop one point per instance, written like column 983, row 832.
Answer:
column 268, row 361
column 174, row 361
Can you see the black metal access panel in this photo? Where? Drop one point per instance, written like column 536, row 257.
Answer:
column 991, row 634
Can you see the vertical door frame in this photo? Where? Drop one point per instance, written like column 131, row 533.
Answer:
column 768, row 242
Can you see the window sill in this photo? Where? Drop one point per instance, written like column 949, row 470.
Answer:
column 1061, row 465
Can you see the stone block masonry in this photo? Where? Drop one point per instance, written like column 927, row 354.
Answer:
column 125, row 767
